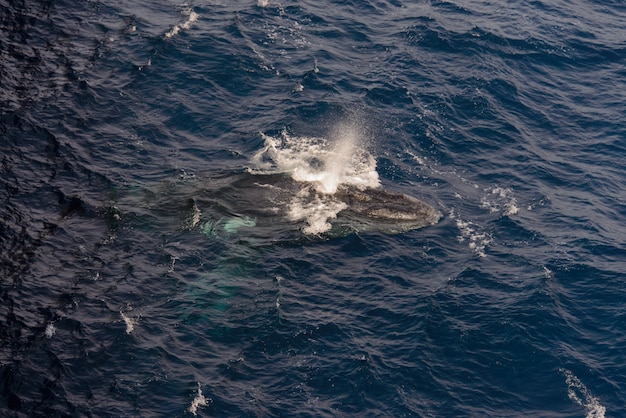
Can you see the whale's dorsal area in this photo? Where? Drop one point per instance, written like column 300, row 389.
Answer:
column 278, row 200
column 377, row 209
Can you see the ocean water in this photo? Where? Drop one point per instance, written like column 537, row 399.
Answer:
column 171, row 182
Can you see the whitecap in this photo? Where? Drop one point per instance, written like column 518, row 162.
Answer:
column 50, row 330
column 130, row 323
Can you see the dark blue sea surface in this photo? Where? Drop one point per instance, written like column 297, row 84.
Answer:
column 146, row 270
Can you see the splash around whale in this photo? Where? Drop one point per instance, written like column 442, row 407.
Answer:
column 314, row 186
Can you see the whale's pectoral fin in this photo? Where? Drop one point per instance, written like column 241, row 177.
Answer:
column 214, row 229
column 232, row 225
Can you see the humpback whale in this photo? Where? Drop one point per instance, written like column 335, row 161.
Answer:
column 277, row 203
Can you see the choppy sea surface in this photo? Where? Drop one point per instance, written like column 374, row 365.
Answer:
column 146, row 271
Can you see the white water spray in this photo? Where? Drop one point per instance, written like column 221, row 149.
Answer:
column 338, row 162
column 321, row 166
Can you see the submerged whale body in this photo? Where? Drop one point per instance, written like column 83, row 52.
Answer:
column 262, row 209
column 275, row 204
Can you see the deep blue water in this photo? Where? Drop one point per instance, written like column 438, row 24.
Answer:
column 123, row 125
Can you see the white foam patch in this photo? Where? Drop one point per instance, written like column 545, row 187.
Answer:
column 499, row 199
column 477, row 240
column 316, row 213
column 321, row 165
column 579, row 393
column 50, row 330
column 547, row 273
column 191, row 15
column 198, row 401
column 297, row 88
column 130, row 323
